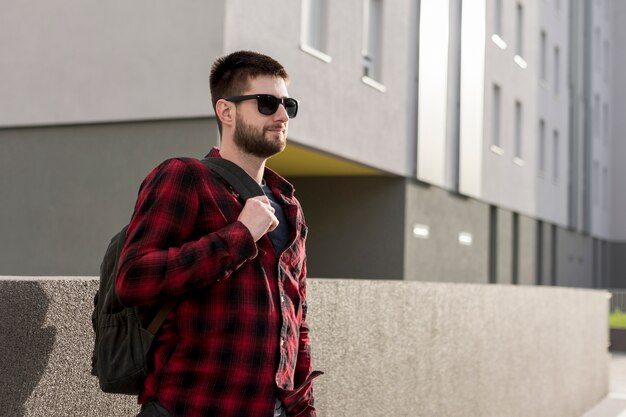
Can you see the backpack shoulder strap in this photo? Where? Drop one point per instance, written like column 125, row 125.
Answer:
column 158, row 320
column 235, row 176
column 243, row 184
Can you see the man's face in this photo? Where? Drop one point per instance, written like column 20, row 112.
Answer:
column 258, row 134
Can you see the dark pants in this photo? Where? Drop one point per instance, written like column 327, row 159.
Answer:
column 153, row 409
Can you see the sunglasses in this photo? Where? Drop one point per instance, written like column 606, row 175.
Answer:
column 268, row 104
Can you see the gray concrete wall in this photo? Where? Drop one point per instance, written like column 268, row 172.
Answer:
column 356, row 226
column 526, row 268
column 67, row 190
column 547, row 258
column 440, row 257
column 574, row 259
column 403, row 349
column 552, row 191
column 617, row 258
column 81, row 61
column 527, row 251
column 504, row 265
column 617, row 108
column 340, row 113
column 508, row 182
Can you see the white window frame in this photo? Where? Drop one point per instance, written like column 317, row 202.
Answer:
column 518, row 120
column 542, row 147
column 519, row 35
column 596, row 115
column 557, row 69
column 556, row 145
column 605, row 123
column 496, row 106
column 314, row 29
column 543, row 55
column 373, row 11
column 497, row 36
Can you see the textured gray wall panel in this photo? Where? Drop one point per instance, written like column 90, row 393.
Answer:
column 574, row 259
column 349, row 119
column 547, row 264
column 441, row 257
column 68, row 62
column 388, row 348
column 46, row 352
column 355, row 226
column 528, row 251
column 67, row 190
column 617, row 257
column 505, row 247
column 427, row 349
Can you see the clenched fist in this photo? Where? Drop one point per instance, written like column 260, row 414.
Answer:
column 258, row 216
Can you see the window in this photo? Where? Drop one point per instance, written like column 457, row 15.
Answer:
column 605, row 123
column 543, row 57
column 495, row 134
column 497, row 18
column 497, row 37
column 605, row 187
column 596, row 48
column 596, row 182
column 519, row 38
column 606, row 61
column 555, row 156
column 515, row 246
column 539, row 254
column 314, row 30
column 519, row 26
column 372, row 39
column 542, row 147
column 493, row 245
column 518, row 130
column 557, row 65
column 596, row 115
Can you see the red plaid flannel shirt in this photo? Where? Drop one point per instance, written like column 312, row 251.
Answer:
column 238, row 339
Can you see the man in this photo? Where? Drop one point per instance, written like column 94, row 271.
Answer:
column 237, row 344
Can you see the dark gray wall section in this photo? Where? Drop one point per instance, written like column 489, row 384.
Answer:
column 617, row 256
column 356, row 226
column 574, row 259
column 440, row 257
column 67, row 190
column 505, row 247
column 546, row 262
column 528, row 251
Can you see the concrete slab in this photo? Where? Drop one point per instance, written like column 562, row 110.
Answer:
column 614, row 404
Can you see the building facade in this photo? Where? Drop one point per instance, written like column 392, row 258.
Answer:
column 438, row 140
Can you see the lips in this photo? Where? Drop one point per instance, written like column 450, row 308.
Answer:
column 276, row 129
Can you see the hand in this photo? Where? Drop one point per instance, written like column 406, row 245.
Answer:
column 258, row 216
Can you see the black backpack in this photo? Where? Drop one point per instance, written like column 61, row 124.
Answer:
column 120, row 358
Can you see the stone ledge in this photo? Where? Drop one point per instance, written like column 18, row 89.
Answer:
column 387, row 347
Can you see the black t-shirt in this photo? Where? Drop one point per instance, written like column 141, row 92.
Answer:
column 280, row 235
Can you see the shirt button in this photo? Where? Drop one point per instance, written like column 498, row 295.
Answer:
column 282, row 298
column 282, row 342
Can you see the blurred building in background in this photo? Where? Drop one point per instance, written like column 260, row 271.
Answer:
column 438, row 140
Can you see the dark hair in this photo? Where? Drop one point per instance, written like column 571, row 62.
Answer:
column 231, row 73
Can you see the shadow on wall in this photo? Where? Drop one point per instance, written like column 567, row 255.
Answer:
column 25, row 344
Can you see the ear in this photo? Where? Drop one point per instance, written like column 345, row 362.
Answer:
column 225, row 111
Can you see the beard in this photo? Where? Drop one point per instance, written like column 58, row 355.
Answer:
column 255, row 142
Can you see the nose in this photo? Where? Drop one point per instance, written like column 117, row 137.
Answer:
column 281, row 113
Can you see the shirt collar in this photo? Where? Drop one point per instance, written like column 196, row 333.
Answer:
column 272, row 178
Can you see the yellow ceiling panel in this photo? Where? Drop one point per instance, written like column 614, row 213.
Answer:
column 298, row 161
